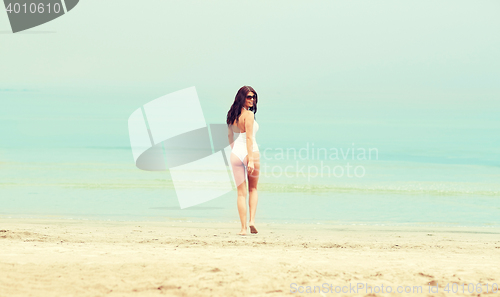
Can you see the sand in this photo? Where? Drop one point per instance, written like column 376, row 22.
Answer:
column 41, row 257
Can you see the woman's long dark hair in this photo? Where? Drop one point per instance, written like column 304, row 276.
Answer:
column 239, row 101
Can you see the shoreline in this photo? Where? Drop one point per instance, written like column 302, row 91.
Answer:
column 201, row 220
column 53, row 257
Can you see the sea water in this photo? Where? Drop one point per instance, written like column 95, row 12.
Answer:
column 372, row 163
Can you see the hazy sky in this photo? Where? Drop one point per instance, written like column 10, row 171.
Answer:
column 345, row 44
column 305, row 58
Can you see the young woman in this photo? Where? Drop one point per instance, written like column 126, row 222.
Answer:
column 242, row 128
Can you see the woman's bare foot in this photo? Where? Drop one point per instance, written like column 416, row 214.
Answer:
column 253, row 230
column 243, row 231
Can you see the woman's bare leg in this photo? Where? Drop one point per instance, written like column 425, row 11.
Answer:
column 239, row 177
column 253, row 179
column 242, row 207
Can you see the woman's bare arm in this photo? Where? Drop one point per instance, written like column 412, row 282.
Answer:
column 249, row 132
column 230, row 136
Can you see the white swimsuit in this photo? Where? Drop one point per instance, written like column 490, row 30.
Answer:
column 240, row 143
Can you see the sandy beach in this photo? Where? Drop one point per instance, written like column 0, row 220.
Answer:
column 42, row 257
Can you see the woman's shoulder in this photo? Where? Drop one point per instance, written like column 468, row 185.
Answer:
column 248, row 114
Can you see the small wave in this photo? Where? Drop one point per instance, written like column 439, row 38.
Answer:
column 429, row 188
column 406, row 188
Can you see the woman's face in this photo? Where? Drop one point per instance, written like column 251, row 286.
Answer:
column 249, row 100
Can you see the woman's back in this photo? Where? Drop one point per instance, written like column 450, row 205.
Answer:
column 239, row 127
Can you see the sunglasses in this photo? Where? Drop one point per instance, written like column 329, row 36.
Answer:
column 251, row 97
